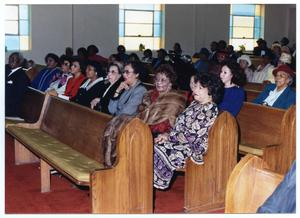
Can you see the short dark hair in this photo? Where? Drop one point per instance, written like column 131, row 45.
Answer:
column 138, row 68
column 214, row 85
column 64, row 58
column 81, row 63
column 238, row 76
column 97, row 67
column 53, row 56
column 92, row 48
column 167, row 70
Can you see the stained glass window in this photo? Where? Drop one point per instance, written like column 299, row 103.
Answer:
column 17, row 27
column 140, row 24
column 246, row 25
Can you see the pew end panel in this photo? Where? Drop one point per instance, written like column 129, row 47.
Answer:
column 280, row 158
column 205, row 185
column 249, row 185
column 128, row 186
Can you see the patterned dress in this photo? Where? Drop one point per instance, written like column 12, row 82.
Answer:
column 188, row 138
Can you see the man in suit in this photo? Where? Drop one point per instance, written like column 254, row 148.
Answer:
column 16, row 82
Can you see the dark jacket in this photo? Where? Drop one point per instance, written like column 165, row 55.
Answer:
column 15, row 88
column 104, row 100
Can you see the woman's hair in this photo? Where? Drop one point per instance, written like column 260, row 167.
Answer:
column 167, row 70
column 53, row 56
column 214, row 85
column 64, row 58
column 118, row 65
column 138, row 68
column 238, row 75
column 81, row 64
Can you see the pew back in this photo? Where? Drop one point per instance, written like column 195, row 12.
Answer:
column 65, row 122
column 259, row 125
column 249, row 185
column 270, row 133
column 32, row 104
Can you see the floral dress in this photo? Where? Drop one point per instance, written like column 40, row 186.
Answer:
column 188, row 138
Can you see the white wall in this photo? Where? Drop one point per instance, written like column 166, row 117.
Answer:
column 279, row 23
column 55, row 27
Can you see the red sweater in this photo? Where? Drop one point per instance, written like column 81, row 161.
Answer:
column 73, row 86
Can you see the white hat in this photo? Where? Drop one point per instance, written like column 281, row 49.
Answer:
column 285, row 58
column 246, row 58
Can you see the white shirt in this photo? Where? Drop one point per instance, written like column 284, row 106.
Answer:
column 261, row 75
column 273, row 95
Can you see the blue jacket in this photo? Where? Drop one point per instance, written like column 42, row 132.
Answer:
column 128, row 101
column 284, row 101
column 44, row 78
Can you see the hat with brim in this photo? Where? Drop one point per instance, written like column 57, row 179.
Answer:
column 245, row 58
column 285, row 68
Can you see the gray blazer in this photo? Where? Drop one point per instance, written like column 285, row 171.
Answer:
column 128, row 101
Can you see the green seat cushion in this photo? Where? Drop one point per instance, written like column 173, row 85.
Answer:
column 58, row 154
column 12, row 121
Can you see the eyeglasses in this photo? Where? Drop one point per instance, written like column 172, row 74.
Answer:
column 66, row 64
column 75, row 65
column 112, row 71
column 127, row 72
column 161, row 80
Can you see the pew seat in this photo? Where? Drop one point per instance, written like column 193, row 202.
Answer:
column 249, row 185
column 68, row 138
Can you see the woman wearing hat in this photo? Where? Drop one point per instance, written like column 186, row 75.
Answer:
column 245, row 63
column 280, row 94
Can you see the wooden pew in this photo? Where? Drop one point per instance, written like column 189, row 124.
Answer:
column 268, row 132
column 249, row 185
column 31, row 107
column 253, row 90
column 68, row 138
column 205, row 185
column 33, row 72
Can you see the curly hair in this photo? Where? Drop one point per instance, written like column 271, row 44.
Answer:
column 214, row 85
column 238, row 75
column 168, row 71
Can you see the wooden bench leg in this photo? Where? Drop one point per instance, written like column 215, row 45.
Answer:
column 23, row 155
column 45, row 176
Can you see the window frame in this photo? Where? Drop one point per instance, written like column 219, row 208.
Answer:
column 254, row 26
column 155, row 35
column 19, row 34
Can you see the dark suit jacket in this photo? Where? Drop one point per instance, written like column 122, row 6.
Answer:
column 15, row 87
column 284, row 101
column 104, row 101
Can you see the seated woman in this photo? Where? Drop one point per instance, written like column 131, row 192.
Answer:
column 92, row 86
column 73, row 84
column 47, row 75
column 233, row 78
column 162, row 105
column 59, row 85
column 280, row 94
column 114, row 76
column 188, row 138
column 129, row 95
column 245, row 62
